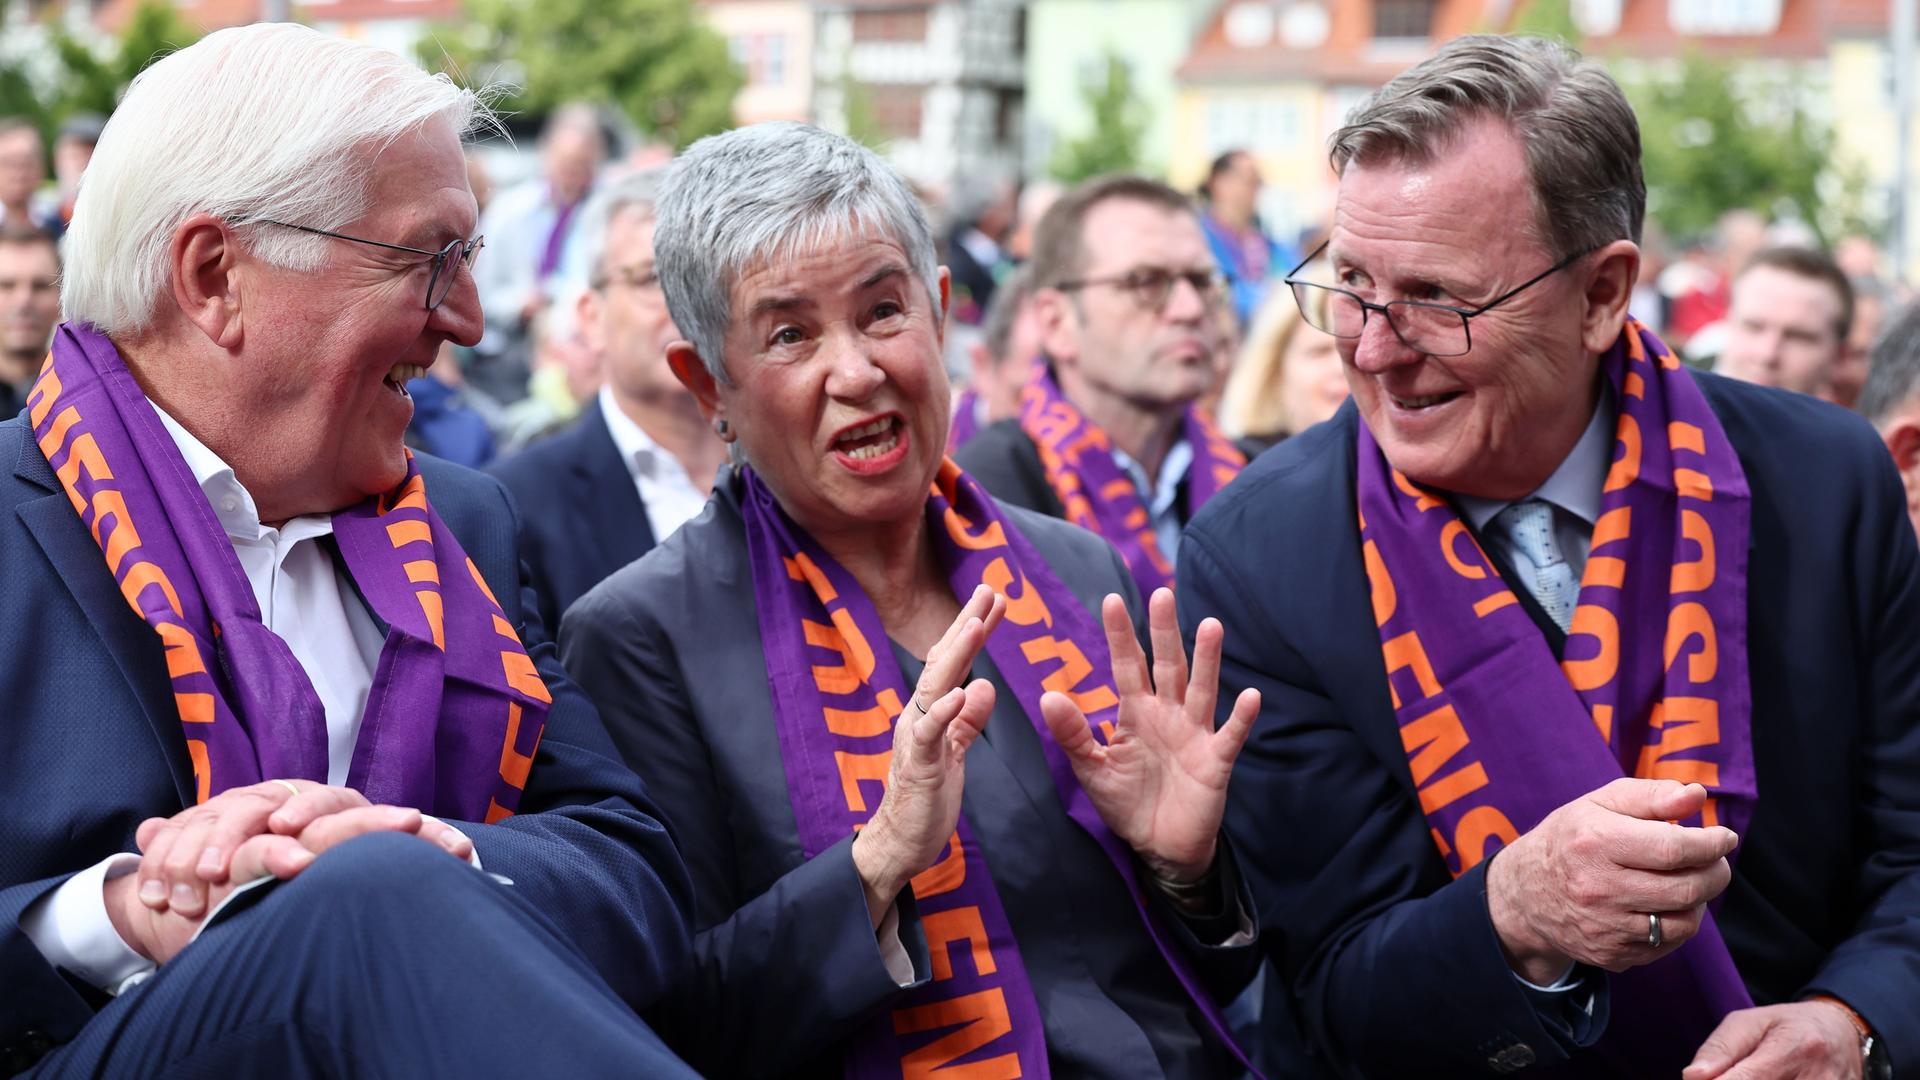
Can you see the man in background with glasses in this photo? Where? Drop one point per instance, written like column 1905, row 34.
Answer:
column 293, row 781
column 1590, row 683
column 1125, row 293
column 640, row 461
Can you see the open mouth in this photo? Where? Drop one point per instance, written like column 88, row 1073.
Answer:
column 1425, row 401
column 398, row 375
column 870, row 442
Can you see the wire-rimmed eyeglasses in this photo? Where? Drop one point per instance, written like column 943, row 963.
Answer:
column 457, row 254
column 1425, row 327
column 1150, row 286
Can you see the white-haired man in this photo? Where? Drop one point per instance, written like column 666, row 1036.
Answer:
column 259, row 643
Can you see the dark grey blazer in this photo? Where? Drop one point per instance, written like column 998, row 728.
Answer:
column 786, row 966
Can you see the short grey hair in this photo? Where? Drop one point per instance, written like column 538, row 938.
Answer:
column 272, row 121
column 1893, row 377
column 766, row 193
column 638, row 190
column 1581, row 139
column 1003, row 310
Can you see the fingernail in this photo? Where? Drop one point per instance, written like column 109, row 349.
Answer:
column 301, row 857
column 184, row 897
column 210, row 861
column 153, row 893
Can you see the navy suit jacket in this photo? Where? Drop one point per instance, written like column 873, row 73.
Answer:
column 1395, row 969
column 582, row 517
column 91, row 744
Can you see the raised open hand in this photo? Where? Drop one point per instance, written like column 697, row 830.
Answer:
column 926, row 777
column 1160, row 782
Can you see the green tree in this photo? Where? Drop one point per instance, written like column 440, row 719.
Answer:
column 75, row 75
column 1548, row 19
column 1113, row 143
column 1712, row 143
column 653, row 59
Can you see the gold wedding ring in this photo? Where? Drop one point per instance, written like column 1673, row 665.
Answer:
column 288, row 784
column 1654, row 937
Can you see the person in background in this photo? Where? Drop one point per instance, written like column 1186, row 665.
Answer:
column 1126, row 293
column 640, row 461
column 1247, row 255
column 72, row 150
column 29, row 309
column 974, row 248
column 294, row 784
column 808, row 670
column 23, row 168
column 1890, row 400
column 1789, row 323
column 1871, row 303
column 1597, row 676
column 449, row 421
column 1701, row 284
column 527, row 229
column 999, row 360
column 1036, row 198
column 1288, row 377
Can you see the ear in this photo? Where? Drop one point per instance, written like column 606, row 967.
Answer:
column 1609, row 285
column 946, row 301
column 204, row 263
column 587, row 308
column 685, row 361
column 1059, row 325
column 1903, row 441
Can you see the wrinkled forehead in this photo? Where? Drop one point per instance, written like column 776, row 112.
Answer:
column 1120, row 234
column 1472, row 195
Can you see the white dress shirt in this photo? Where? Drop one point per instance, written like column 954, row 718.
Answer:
column 1162, row 497
column 666, row 490
column 304, row 600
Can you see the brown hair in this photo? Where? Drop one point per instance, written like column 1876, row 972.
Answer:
column 1059, row 251
column 1814, row 266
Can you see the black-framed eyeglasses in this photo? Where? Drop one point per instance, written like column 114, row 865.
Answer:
column 1150, row 286
column 458, row 254
column 1433, row 329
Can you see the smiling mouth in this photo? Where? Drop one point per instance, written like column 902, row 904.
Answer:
column 1426, row 401
column 870, row 441
column 399, row 374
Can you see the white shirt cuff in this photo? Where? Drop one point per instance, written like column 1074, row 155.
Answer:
column 892, row 953
column 473, row 851
column 1561, row 985
column 71, row 928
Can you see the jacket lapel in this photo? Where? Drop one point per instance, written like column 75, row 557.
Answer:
column 616, row 518
column 135, row 649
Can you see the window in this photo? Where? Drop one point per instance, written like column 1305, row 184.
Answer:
column 890, row 24
column 1403, row 18
column 1724, row 16
column 896, row 108
column 763, row 57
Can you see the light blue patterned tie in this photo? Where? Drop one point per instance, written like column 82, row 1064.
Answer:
column 1530, row 524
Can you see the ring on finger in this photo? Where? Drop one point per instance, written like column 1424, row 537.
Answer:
column 288, row 784
column 1655, row 938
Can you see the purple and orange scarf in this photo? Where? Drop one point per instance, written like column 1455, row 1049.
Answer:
column 1097, row 494
column 836, row 694
column 1653, row 684
column 456, row 709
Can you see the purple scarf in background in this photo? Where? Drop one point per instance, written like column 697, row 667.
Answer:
column 1653, row 684
column 966, row 420
column 456, row 707
column 836, row 693
column 1098, row 495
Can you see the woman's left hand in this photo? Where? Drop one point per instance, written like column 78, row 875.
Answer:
column 1160, row 783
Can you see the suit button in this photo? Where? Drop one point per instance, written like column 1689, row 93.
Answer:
column 1512, row 1059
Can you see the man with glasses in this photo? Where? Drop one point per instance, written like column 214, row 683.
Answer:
column 293, row 781
column 640, row 462
column 1590, row 683
column 1125, row 291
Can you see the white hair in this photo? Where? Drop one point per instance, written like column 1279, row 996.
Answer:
column 265, row 121
column 769, row 192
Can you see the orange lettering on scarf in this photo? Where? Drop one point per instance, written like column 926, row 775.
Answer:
column 56, row 436
column 46, row 391
column 1636, row 386
column 856, row 768
column 1487, row 605
column 843, row 637
column 1695, row 576
column 943, row 876
column 1073, row 670
column 85, row 455
column 1422, row 501
column 514, row 765
column 1685, row 623
column 202, row 769
column 961, row 530
column 1626, row 470
column 410, row 531
column 1591, row 620
column 523, row 676
column 436, row 617
column 1684, row 723
column 985, row 1017
column 1434, row 740
column 1024, row 610
column 865, row 723
column 961, row 925
column 1693, row 484
column 141, row 575
column 1405, row 653
column 1476, row 827
column 110, row 503
column 183, row 652
column 1450, row 535
column 1684, row 436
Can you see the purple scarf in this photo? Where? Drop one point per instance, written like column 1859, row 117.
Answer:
column 966, row 420
column 1654, row 683
column 456, row 708
column 836, row 693
column 1098, row 494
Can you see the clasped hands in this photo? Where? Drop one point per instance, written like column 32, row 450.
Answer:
column 194, row 859
column 1160, row 783
column 1581, row 885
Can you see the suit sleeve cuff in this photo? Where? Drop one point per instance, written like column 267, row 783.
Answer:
column 71, row 928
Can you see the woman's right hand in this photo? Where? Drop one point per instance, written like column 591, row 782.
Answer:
column 910, row 829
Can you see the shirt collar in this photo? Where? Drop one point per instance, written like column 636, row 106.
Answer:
column 637, row 449
column 231, row 501
column 1576, row 485
column 1173, row 470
